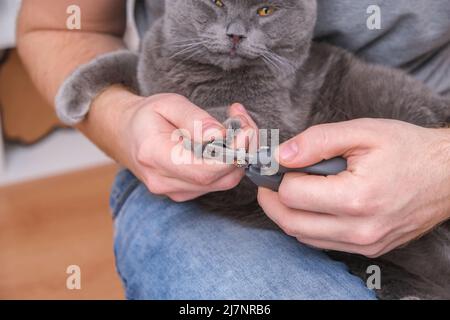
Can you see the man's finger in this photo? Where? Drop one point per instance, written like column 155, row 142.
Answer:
column 165, row 185
column 332, row 194
column 185, row 115
column 301, row 223
column 248, row 137
column 176, row 161
column 325, row 142
column 238, row 110
column 371, row 251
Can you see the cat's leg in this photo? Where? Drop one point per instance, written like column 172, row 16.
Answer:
column 396, row 283
column 429, row 258
column 77, row 92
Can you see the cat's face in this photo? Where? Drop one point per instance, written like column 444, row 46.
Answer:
column 235, row 33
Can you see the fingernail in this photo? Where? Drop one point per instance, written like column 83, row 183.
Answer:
column 288, row 151
column 240, row 107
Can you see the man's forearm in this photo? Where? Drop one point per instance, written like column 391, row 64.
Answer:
column 51, row 53
column 50, row 56
column 63, row 54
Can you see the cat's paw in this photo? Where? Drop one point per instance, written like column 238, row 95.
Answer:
column 80, row 89
column 73, row 99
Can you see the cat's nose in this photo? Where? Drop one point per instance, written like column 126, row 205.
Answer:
column 236, row 38
column 236, row 32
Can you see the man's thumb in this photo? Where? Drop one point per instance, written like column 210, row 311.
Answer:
column 323, row 142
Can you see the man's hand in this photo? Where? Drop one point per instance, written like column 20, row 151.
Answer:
column 396, row 188
column 144, row 142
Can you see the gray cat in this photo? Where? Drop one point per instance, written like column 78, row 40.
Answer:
column 261, row 54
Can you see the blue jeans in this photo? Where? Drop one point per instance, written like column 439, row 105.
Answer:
column 167, row 250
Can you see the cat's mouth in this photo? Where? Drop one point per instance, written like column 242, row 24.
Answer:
column 233, row 52
column 231, row 57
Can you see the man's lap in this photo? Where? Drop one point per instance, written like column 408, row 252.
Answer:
column 166, row 250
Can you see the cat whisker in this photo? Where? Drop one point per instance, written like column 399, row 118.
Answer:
column 188, row 44
column 270, row 64
column 179, row 43
column 275, row 61
column 194, row 53
column 284, row 63
column 187, row 50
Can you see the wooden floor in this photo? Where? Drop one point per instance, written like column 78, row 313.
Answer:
column 48, row 225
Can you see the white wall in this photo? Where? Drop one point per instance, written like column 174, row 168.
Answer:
column 8, row 13
column 63, row 151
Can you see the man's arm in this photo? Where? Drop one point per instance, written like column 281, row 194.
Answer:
column 51, row 52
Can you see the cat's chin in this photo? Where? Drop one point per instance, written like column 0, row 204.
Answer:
column 229, row 62
column 232, row 62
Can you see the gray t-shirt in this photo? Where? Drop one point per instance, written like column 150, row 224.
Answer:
column 414, row 34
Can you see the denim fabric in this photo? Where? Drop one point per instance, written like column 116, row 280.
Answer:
column 167, row 250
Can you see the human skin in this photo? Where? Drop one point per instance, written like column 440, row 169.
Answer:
column 359, row 211
column 133, row 130
column 396, row 188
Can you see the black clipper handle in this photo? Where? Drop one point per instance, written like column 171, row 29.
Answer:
column 325, row 168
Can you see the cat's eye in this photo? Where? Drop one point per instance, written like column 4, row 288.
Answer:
column 266, row 11
column 218, row 3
